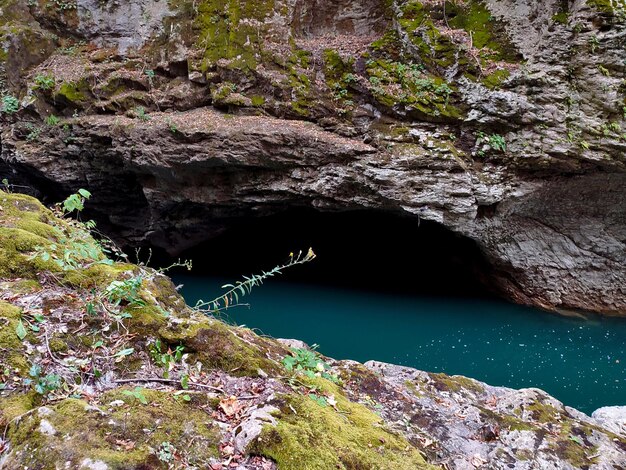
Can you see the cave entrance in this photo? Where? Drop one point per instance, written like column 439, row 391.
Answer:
column 368, row 250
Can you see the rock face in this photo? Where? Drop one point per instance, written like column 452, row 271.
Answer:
column 490, row 426
column 501, row 120
column 612, row 418
column 90, row 380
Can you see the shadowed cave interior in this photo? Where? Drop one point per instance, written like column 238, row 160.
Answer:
column 367, row 250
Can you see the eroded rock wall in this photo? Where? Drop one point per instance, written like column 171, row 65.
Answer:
column 501, row 120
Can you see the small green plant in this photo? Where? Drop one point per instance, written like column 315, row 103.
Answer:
column 140, row 111
column 309, row 363
column 34, row 132
column 10, row 104
column 78, row 248
column 166, row 452
column 495, row 141
column 611, row 128
column 76, row 202
column 150, row 74
column 242, row 288
column 126, row 291
column 44, row 82
column 42, row 384
column 594, row 43
column 167, row 358
column 604, row 71
column 136, row 394
column 173, row 128
column 62, row 5
column 350, row 78
column 52, row 120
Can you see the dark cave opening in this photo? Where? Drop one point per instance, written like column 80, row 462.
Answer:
column 368, row 250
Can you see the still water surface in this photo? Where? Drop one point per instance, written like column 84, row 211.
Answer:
column 581, row 362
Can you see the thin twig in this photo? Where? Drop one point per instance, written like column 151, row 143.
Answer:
column 170, row 381
column 58, row 361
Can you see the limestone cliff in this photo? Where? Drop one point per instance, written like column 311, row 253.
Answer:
column 103, row 366
column 503, row 120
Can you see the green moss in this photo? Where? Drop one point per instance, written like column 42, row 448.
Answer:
column 422, row 94
column 561, row 17
column 82, row 433
column 474, row 17
column 12, row 349
column 223, row 34
column 608, row 6
column 257, row 100
column 542, row 412
column 506, row 421
column 96, row 275
column 572, row 448
column 74, row 92
column 456, row 383
column 335, row 68
column 25, row 226
column 300, row 85
column 146, row 320
column 17, row 405
column 39, row 228
column 439, row 52
column 494, row 80
column 9, row 318
column 57, row 344
column 216, row 346
column 21, row 286
column 311, row 437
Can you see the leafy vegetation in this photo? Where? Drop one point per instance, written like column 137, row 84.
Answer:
column 10, row 104
column 495, row 141
column 52, row 120
column 141, row 113
column 167, row 358
column 125, row 291
column 78, row 249
column 241, row 288
column 137, row 394
column 42, row 384
column 166, row 452
column 44, row 82
column 309, row 363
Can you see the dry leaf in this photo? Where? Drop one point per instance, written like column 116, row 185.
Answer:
column 125, row 444
column 230, row 406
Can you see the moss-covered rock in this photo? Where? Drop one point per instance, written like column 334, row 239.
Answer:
column 344, row 436
column 120, row 436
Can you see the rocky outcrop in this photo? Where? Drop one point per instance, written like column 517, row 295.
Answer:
column 612, row 418
column 489, row 426
column 103, row 366
column 501, row 120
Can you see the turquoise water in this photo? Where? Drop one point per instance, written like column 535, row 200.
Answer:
column 581, row 362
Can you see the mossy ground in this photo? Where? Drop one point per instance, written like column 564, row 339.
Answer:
column 122, row 436
column 350, row 436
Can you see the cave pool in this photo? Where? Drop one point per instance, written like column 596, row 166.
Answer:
column 582, row 362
